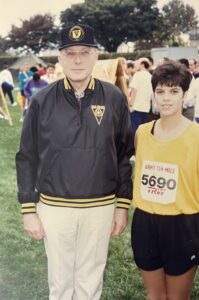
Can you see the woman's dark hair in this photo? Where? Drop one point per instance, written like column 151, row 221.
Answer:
column 130, row 65
column 184, row 61
column 150, row 59
column 145, row 63
column 36, row 77
column 171, row 74
column 33, row 69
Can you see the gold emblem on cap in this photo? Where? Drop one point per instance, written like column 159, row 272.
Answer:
column 76, row 33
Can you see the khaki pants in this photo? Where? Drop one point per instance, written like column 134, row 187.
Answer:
column 76, row 245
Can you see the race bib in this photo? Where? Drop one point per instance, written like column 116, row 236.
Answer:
column 159, row 182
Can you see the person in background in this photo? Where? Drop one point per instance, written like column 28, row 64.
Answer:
column 24, row 75
column 123, row 64
column 152, row 66
column 193, row 67
column 130, row 70
column 7, row 84
column 140, row 94
column 74, row 161
column 59, row 71
column 163, row 60
column 189, row 102
column 33, row 86
column 50, row 75
column 40, row 69
column 196, row 111
column 165, row 226
column 33, row 69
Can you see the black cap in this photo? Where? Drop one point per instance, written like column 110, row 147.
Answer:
column 77, row 35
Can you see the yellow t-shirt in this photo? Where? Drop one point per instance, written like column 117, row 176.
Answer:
column 166, row 178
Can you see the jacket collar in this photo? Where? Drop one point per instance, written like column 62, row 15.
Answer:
column 91, row 85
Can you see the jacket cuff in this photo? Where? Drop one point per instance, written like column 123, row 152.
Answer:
column 123, row 203
column 28, row 197
column 28, row 208
column 28, row 201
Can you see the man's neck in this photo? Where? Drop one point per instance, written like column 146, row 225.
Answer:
column 80, row 86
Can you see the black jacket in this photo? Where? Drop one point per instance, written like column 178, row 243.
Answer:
column 72, row 154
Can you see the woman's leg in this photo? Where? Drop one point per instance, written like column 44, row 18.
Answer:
column 155, row 283
column 179, row 287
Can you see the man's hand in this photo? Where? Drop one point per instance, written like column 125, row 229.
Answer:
column 33, row 226
column 120, row 221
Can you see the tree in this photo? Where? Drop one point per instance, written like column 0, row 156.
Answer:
column 140, row 21
column 178, row 18
column 2, row 45
column 37, row 33
column 115, row 21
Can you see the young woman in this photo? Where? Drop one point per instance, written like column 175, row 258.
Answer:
column 165, row 228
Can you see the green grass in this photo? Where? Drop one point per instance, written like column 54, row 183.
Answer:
column 23, row 271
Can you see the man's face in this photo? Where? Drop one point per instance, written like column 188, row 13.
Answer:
column 137, row 65
column 51, row 70
column 192, row 66
column 130, row 71
column 26, row 68
column 78, row 62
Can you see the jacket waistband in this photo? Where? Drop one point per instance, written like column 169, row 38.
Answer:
column 79, row 203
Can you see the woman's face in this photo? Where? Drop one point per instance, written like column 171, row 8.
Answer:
column 169, row 99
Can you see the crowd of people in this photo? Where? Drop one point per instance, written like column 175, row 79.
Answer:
column 141, row 102
column 30, row 80
column 74, row 172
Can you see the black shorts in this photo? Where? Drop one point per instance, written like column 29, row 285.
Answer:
column 169, row 242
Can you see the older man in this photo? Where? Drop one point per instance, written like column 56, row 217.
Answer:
column 74, row 162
